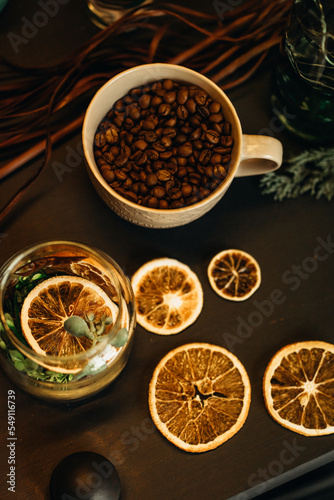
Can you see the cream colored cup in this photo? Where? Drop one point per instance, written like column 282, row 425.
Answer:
column 251, row 154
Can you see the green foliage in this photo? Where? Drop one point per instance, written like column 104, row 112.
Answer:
column 26, row 365
column 121, row 338
column 77, row 326
column 311, row 172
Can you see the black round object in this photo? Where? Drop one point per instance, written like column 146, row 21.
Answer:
column 85, row 475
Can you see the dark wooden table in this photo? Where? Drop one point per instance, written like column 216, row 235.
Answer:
column 116, row 423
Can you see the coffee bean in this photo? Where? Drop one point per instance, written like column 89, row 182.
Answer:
column 181, row 138
column 181, row 172
column 166, row 141
column 144, row 101
column 176, row 204
column 196, row 134
column 191, row 106
column 131, row 196
column 135, row 176
column 99, row 140
column 204, row 192
column 134, row 112
column 121, row 160
column 169, row 132
column 195, row 179
column 171, row 122
column 159, row 192
column 182, row 112
column 152, row 155
column 163, row 204
column 187, row 190
column 212, row 136
column 153, row 202
column 156, row 100
column 205, row 156
column 108, row 157
column 120, row 175
column 227, row 141
column 182, row 95
column 142, row 159
column 215, row 158
column 157, row 165
column 164, row 145
column 148, row 124
column 185, row 150
column 192, row 200
column 108, row 175
column 168, row 84
column 164, row 175
column 172, row 168
column 219, row 171
column 226, row 128
column 151, row 136
column 216, row 118
column 159, row 146
column 115, row 184
column 209, row 171
column 175, row 193
column 170, row 97
column 141, row 144
column 203, row 111
column 164, row 109
column 151, row 180
column 215, row 107
column 143, row 189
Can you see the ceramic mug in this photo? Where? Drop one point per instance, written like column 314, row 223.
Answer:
column 251, row 154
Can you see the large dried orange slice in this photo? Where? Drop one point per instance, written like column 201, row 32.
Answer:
column 168, row 294
column 298, row 387
column 50, row 303
column 199, row 396
column 234, row 274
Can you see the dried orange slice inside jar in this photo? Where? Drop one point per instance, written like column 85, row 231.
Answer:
column 51, row 303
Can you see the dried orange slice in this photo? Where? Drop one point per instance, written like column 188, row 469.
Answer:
column 91, row 270
column 298, row 388
column 50, row 303
column 234, row 274
column 168, row 294
column 199, row 396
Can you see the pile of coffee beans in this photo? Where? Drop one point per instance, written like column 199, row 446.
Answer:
column 164, row 145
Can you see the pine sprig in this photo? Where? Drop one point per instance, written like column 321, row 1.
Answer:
column 311, row 172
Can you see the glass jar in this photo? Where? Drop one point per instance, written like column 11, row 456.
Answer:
column 69, row 377
column 303, row 85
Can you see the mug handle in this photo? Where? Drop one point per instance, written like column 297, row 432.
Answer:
column 260, row 154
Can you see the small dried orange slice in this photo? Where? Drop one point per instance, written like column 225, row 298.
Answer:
column 199, row 396
column 168, row 295
column 298, row 388
column 234, row 274
column 50, row 303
